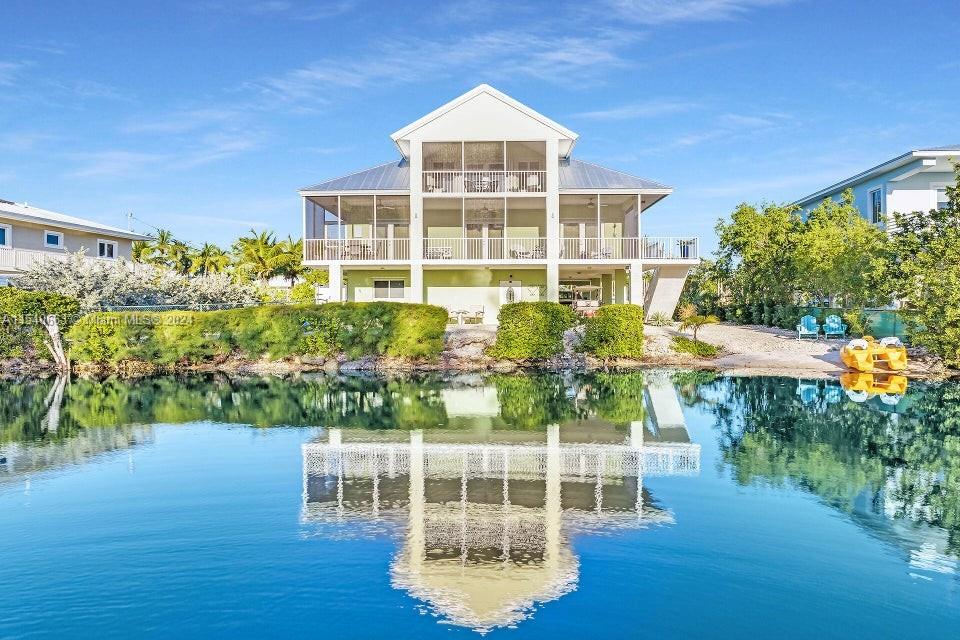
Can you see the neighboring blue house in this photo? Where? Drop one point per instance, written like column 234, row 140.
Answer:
column 914, row 181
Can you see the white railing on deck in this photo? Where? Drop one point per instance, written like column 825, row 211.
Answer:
column 646, row 248
column 357, row 249
column 484, row 249
column 484, row 181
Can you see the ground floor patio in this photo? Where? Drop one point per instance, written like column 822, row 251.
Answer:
column 475, row 294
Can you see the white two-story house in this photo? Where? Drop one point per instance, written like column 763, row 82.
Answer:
column 29, row 234
column 485, row 206
column 914, row 181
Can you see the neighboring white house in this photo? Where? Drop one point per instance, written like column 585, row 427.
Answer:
column 487, row 206
column 29, row 234
column 914, row 181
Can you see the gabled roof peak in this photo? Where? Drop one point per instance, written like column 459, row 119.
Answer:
column 480, row 89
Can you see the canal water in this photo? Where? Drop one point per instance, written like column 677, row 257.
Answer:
column 658, row 504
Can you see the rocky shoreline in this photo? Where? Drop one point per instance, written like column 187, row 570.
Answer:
column 466, row 348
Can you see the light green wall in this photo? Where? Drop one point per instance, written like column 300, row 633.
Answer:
column 466, row 288
column 360, row 283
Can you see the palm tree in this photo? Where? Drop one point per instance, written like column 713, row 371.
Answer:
column 259, row 255
column 209, row 259
column 292, row 258
column 695, row 322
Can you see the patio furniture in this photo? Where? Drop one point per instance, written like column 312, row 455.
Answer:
column 533, row 182
column 439, row 253
column 538, row 253
column 519, row 251
column 513, row 183
column 808, row 328
column 833, row 327
column 454, row 316
column 475, row 313
column 809, row 392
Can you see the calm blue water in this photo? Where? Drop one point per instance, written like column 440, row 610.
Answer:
column 190, row 508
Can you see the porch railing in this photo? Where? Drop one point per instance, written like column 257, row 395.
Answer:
column 357, row 249
column 645, row 248
column 484, row 181
column 484, row 248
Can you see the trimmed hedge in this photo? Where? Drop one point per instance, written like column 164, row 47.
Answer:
column 356, row 329
column 20, row 313
column 615, row 331
column 531, row 330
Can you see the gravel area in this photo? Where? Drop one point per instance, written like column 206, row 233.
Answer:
column 749, row 348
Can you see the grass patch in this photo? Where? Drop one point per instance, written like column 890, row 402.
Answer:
column 697, row 348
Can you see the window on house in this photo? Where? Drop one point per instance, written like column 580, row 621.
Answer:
column 6, row 235
column 52, row 239
column 388, row 290
column 876, row 206
column 106, row 249
column 942, row 201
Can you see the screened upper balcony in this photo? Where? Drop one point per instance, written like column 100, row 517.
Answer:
column 484, row 229
column 484, row 167
column 375, row 228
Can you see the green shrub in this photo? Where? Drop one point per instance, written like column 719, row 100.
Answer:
column 659, row 319
column 531, row 330
column 697, row 348
column 273, row 332
column 616, row 331
column 303, row 293
column 20, row 313
column 858, row 323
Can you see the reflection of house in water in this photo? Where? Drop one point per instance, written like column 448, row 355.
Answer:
column 488, row 515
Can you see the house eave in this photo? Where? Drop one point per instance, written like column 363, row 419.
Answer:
column 93, row 229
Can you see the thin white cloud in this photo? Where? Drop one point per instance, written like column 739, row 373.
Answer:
column 10, row 71
column 492, row 55
column 654, row 12
column 306, row 11
column 645, row 109
column 113, row 163
column 181, row 121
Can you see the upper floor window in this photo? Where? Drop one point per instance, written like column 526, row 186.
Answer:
column 876, row 206
column 106, row 249
column 942, row 201
column 6, row 235
column 53, row 239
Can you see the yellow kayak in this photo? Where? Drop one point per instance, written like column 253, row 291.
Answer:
column 864, row 354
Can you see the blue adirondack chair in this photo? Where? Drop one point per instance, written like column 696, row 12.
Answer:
column 808, row 328
column 833, row 327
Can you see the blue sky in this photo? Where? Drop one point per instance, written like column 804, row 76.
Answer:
column 205, row 117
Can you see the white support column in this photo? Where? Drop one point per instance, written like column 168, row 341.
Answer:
column 553, row 203
column 636, row 282
column 553, row 280
column 335, row 285
column 416, row 283
column 416, row 222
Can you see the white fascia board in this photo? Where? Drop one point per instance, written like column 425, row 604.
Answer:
column 626, row 192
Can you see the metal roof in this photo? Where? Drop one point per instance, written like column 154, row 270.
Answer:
column 34, row 215
column 577, row 174
column 390, row 176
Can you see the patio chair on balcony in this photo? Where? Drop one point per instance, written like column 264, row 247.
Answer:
column 538, row 253
column 512, row 183
column 533, row 182
column 520, row 252
column 438, row 253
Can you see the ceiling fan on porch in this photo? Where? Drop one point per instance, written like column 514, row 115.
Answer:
column 591, row 203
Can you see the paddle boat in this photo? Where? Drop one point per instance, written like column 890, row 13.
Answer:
column 860, row 387
column 864, row 354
